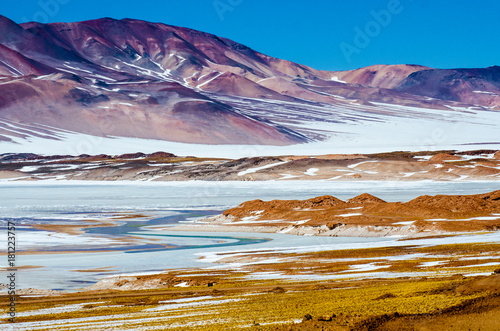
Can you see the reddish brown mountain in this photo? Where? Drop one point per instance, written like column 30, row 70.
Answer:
column 384, row 76
column 150, row 80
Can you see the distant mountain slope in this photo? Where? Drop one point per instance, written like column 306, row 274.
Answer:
column 472, row 86
column 132, row 78
column 383, row 76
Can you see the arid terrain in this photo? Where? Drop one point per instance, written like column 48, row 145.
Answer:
column 65, row 84
column 364, row 216
column 452, row 286
column 157, row 177
column 162, row 166
column 439, row 268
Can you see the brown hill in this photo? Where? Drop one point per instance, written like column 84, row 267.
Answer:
column 426, row 214
column 365, row 198
column 488, row 202
column 444, row 157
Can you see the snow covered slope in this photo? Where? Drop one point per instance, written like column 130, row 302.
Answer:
column 115, row 86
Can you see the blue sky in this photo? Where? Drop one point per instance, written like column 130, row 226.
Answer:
column 329, row 35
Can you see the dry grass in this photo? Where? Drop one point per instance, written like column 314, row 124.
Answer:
column 270, row 306
column 237, row 302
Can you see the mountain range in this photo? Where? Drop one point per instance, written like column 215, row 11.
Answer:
column 131, row 78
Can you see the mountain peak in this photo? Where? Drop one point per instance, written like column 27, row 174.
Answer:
column 7, row 26
column 158, row 81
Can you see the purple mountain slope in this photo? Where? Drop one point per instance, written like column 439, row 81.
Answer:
column 133, row 78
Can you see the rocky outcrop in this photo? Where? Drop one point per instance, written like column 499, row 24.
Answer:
column 366, row 215
column 444, row 157
column 169, row 167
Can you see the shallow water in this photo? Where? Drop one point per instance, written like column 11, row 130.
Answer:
column 70, row 203
column 29, row 199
